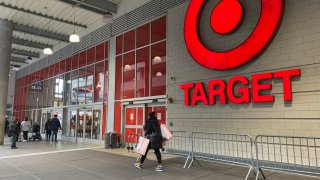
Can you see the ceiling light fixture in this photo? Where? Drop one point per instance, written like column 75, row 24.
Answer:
column 29, row 60
column 16, row 69
column 47, row 51
column 127, row 67
column 74, row 37
column 159, row 74
column 157, row 59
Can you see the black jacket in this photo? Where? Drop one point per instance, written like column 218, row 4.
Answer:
column 55, row 124
column 14, row 128
column 153, row 132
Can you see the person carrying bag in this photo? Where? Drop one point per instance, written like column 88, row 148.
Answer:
column 153, row 133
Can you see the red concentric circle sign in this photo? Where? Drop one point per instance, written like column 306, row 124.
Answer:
column 224, row 19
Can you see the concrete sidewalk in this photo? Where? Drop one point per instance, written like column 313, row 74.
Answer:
column 72, row 161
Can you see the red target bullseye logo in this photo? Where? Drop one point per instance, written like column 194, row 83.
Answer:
column 225, row 18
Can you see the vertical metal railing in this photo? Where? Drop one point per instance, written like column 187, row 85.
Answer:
column 179, row 145
column 232, row 149
column 288, row 153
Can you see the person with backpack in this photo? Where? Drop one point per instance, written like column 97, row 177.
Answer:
column 152, row 132
column 55, row 126
column 14, row 132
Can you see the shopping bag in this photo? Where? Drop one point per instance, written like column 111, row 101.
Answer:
column 166, row 134
column 138, row 146
column 142, row 145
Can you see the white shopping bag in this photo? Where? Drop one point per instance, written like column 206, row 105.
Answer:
column 166, row 134
column 142, row 145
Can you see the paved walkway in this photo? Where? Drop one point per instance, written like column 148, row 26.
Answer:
column 40, row 160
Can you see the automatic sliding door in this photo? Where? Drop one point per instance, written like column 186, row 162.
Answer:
column 73, row 121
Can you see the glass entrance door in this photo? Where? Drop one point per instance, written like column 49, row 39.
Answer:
column 134, row 120
column 160, row 111
column 85, row 124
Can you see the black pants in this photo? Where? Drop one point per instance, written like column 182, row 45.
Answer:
column 48, row 134
column 25, row 135
column 156, row 151
column 54, row 135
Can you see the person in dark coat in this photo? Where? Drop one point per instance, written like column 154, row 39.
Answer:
column 6, row 126
column 55, row 126
column 48, row 130
column 14, row 130
column 152, row 132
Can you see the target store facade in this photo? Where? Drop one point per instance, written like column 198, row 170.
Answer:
column 247, row 67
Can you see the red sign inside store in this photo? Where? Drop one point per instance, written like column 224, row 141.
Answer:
column 225, row 18
column 249, row 91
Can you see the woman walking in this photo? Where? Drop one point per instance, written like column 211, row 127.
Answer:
column 152, row 132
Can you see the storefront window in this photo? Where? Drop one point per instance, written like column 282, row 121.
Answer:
column 99, row 82
column 56, row 69
column 158, row 69
column 158, row 30
column 142, row 72
column 62, row 66
column 118, row 86
column 136, row 79
column 91, row 53
column 45, row 93
column 74, row 87
column 106, row 81
column 89, row 90
column 129, row 75
column 129, row 41
column 67, row 89
column 143, row 35
column 51, row 84
column 83, row 59
column 75, row 61
column 119, row 45
column 58, row 96
column 81, row 92
column 68, row 64
column 100, row 52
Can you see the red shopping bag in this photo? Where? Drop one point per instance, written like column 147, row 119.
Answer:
column 142, row 145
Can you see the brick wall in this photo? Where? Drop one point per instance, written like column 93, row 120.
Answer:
column 297, row 45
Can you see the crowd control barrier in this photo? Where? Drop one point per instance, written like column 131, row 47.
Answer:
column 280, row 153
column 178, row 145
column 287, row 153
column 231, row 149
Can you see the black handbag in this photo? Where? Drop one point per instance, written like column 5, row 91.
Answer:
column 10, row 133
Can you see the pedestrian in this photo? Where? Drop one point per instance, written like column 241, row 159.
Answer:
column 19, row 134
column 6, row 128
column 48, row 129
column 14, row 131
column 25, row 127
column 152, row 132
column 55, row 126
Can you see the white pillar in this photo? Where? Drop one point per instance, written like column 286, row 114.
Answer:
column 5, row 56
column 112, row 84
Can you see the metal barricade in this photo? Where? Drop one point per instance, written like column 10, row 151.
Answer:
column 230, row 149
column 179, row 145
column 287, row 153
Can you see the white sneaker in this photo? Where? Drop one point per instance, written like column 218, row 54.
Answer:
column 159, row 168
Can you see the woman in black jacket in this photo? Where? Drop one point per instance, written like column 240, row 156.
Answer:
column 152, row 132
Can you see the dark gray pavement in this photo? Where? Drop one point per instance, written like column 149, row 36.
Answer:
column 67, row 161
